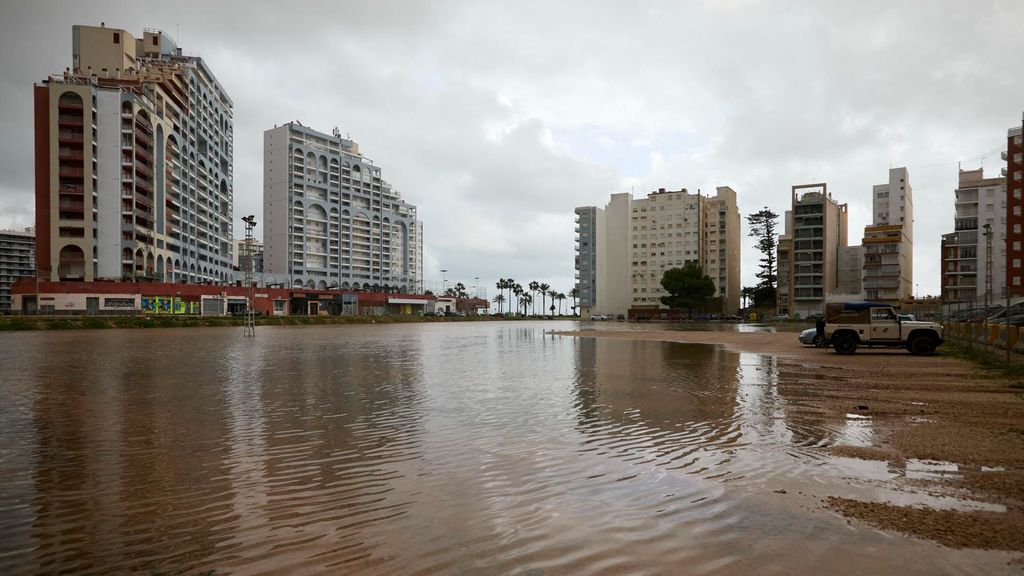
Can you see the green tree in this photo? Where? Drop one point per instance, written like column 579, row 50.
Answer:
column 688, row 287
column 525, row 302
column 534, row 286
column 762, row 227
column 499, row 299
column 561, row 298
column 543, row 295
column 574, row 294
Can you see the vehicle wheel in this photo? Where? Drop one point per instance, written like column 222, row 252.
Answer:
column 922, row 346
column 819, row 341
column 844, row 344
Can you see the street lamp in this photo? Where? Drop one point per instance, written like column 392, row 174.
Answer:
column 444, row 282
column 988, row 264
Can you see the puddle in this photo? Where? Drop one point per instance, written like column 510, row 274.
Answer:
column 931, row 470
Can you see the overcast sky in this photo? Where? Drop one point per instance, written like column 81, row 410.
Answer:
column 497, row 119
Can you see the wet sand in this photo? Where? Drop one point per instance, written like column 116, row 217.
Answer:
column 961, row 430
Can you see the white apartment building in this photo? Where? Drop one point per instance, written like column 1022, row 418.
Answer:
column 631, row 243
column 888, row 244
column 134, row 163
column 973, row 264
column 17, row 260
column 329, row 218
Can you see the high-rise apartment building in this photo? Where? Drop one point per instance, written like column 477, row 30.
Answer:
column 1014, row 175
column 330, row 220
column 17, row 260
column 133, row 148
column 974, row 255
column 888, row 244
column 589, row 220
column 808, row 251
column 631, row 243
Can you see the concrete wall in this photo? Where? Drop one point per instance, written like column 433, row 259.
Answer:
column 108, row 184
column 614, row 282
column 275, row 200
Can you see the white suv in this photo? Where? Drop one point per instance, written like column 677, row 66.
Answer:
column 848, row 325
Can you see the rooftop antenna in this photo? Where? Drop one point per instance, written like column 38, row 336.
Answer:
column 250, row 286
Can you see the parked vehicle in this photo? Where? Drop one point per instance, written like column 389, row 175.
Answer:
column 598, row 316
column 848, row 325
column 811, row 337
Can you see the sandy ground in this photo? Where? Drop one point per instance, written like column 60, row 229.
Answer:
column 934, row 408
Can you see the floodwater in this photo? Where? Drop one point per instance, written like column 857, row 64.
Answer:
column 442, row 448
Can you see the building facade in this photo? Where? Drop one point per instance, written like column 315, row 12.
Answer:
column 330, row 221
column 631, row 243
column 888, row 244
column 808, row 252
column 974, row 254
column 1014, row 183
column 133, row 157
column 587, row 226
column 17, row 260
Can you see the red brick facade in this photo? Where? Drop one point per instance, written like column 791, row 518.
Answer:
column 1015, row 212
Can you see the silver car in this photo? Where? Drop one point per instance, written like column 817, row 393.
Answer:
column 810, row 337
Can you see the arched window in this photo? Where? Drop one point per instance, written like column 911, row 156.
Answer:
column 71, row 263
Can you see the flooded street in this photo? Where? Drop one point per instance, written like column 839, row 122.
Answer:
column 440, row 448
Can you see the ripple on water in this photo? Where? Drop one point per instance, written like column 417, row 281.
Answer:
column 417, row 449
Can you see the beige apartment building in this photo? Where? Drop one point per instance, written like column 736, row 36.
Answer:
column 624, row 249
column 133, row 163
column 808, row 251
column 888, row 244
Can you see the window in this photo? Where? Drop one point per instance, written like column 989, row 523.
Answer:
column 1016, row 262
column 156, row 40
column 117, row 37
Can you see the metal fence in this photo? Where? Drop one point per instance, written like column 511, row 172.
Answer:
column 994, row 324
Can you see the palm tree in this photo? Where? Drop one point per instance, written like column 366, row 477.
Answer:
column 509, row 285
column 500, row 299
column 574, row 294
column 554, row 296
column 534, row 286
column 543, row 296
column 518, row 291
column 525, row 303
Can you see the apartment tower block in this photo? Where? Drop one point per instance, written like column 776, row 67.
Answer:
column 888, row 244
column 974, row 254
column 133, row 158
column 808, row 251
column 625, row 248
column 330, row 221
column 1015, row 210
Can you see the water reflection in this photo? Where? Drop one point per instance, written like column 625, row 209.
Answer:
column 417, row 449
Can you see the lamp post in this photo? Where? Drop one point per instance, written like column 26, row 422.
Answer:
column 988, row 265
column 444, row 282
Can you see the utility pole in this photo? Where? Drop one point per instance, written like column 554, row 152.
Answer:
column 250, row 286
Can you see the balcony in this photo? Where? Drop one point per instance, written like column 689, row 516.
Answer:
column 71, row 172
column 70, row 137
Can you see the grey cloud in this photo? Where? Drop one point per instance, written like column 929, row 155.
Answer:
column 463, row 103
